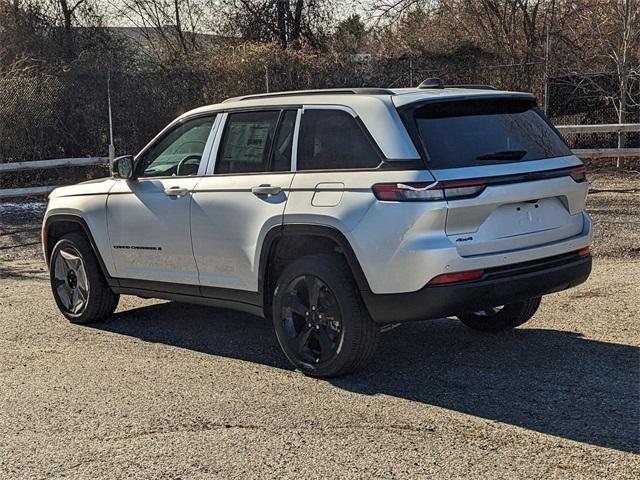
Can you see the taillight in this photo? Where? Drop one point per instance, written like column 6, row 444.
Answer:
column 579, row 174
column 583, row 252
column 408, row 192
column 457, row 277
column 424, row 192
column 463, row 188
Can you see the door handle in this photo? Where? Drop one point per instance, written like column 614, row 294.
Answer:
column 266, row 190
column 176, row 191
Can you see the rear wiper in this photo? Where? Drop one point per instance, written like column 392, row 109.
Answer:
column 504, row 155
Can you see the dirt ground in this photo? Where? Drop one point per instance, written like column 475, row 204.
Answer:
column 165, row 390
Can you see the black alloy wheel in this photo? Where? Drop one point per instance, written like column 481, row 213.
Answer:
column 311, row 319
column 321, row 323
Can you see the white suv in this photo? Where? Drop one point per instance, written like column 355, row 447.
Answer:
column 333, row 213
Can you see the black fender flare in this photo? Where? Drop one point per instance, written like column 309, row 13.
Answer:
column 77, row 219
column 313, row 230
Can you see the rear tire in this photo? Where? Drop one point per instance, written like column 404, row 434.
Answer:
column 320, row 321
column 77, row 283
column 506, row 318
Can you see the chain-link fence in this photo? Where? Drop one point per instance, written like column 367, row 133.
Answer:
column 594, row 99
column 66, row 116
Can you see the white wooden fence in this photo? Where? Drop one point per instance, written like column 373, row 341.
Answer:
column 41, row 165
column 604, row 128
column 81, row 162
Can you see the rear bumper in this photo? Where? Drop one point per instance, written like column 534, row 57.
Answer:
column 499, row 286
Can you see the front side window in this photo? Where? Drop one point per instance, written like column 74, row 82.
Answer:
column 179, row 153
column 246, row 142
column 333, row 140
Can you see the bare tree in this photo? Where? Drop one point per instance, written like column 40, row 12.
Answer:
column 608, row 37
column 169, row 27
column 390, row 11
column 68, row 9
column 625, row 53
column 17, row 67
column 350, row 35
column 45, row 30
column 69, row 23
column 286, row 22
column 512, row 31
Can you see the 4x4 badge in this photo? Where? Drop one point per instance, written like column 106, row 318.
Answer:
column 465, row 239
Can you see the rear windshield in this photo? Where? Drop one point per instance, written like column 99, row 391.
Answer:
column 488, row 131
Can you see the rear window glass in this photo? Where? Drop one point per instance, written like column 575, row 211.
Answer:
column 481, row 132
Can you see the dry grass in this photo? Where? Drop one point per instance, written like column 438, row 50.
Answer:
column 614, row 206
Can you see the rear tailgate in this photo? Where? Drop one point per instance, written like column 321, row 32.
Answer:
column 514, row 213
column 530, row 198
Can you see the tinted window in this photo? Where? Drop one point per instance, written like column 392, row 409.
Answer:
column 481, row 132
column 332, row 139
column 246, row 142
column 179, row 152
column 281, row 158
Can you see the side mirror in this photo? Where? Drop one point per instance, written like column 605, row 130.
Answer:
column 123, row 167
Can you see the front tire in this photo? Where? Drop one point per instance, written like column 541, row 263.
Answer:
column 320, row 321
column 78, row 286
column 504, row 317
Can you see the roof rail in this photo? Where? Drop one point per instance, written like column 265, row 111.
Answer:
column 326, row 91
column 438, row 83
column 475, row 86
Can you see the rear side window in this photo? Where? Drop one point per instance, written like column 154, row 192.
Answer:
column 481, row 132
column 246, row 142
column 333, row 140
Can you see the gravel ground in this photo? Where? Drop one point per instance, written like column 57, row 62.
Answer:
column 165, row 390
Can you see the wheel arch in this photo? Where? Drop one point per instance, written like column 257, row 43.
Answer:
column 284, row 243
column 59, row 224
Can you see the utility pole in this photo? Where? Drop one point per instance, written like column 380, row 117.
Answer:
column 266, row 78
column 546, row 71
column 112, row 150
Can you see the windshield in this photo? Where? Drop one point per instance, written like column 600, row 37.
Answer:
column 486, row 131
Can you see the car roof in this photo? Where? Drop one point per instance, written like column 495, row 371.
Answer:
column 377, row 108
column 352, row 97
